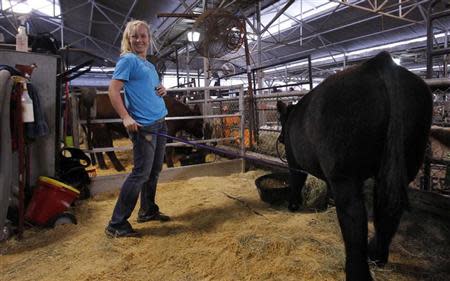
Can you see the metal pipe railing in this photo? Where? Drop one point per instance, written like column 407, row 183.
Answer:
column 175, row 144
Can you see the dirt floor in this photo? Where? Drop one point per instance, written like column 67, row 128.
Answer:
column 220, row 230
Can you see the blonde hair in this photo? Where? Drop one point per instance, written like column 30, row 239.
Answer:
column 125, row 46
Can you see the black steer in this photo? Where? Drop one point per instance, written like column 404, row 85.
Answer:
column 369, row 121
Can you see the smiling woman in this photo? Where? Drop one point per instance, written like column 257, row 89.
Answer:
column 142, row 111
column 140, row 40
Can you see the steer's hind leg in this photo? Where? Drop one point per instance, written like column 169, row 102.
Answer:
column 101, row 160
column 352, row 216
column 116, row 163
column 296, row 182
column 386, row 223
column 169, row 157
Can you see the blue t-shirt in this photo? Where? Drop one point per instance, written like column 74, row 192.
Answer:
column 140, row 80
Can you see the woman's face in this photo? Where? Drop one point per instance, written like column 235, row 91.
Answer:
column 140, row 41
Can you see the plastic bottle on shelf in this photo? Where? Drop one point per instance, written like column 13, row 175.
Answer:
column 27, row 106
column 22, row 39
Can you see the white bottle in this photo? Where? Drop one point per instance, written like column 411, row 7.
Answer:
column 22, row 39
column 27, row 106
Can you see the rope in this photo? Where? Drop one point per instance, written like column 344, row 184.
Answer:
column 226, row 152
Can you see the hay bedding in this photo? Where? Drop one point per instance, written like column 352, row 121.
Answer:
column 220, row 231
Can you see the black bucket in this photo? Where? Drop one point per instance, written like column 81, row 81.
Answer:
column 273, row 188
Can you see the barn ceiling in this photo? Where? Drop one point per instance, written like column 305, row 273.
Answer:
column 333, row 37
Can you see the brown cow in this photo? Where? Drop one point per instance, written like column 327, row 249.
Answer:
column 101, row 135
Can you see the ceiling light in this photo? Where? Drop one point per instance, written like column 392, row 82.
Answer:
column 396, row 60
column 47, row 7
column 193, row 36
column 21, row 8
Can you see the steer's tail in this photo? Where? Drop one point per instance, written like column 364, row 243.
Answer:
column 391, row 190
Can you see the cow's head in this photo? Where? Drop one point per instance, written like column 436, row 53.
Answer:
column 283, row 111
column 86, row 103
column 195, row 126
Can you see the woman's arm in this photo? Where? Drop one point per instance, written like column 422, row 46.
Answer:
column 161, row 90
column 116, row 100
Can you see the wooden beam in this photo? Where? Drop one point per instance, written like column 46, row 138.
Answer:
column 178, row 15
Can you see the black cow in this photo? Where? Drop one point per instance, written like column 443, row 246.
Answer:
column 101, row 135
column 369, row 121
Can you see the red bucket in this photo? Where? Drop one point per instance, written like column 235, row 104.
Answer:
column 49, row 199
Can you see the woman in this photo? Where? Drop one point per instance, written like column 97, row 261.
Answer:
column 142, row 111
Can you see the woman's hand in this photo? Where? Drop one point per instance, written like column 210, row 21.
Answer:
column 161, row 90
column 130, row 124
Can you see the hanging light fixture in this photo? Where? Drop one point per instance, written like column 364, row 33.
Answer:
column 193, row 36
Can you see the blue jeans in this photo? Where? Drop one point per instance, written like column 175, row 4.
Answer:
column 148, row 153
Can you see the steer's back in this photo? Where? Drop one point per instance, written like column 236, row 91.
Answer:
column 340, row 127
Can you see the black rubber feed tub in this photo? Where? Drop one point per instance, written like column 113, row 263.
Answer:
column 273, row 188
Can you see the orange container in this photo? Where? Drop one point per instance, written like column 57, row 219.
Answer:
column 50, row 199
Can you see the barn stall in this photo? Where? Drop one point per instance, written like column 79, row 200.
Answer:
column 221, row 230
